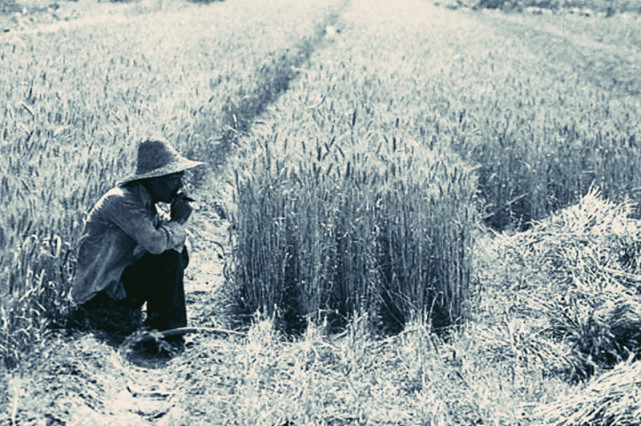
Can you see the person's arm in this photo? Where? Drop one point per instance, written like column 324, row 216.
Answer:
column 130, row 215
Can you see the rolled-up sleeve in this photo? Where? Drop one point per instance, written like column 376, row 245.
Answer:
column 137, row 221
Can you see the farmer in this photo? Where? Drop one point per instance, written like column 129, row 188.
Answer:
column 130, row 252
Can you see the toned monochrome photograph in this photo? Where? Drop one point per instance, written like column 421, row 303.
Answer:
column 320, row 212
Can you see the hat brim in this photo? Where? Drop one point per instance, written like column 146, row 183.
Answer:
column 180, row 166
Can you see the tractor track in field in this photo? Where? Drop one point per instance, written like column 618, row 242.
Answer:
column 273, row 79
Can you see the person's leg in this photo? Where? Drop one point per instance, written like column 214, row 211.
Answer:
column 104, row 313
column 158, row 280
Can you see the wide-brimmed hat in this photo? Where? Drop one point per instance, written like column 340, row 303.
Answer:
column 156, row 157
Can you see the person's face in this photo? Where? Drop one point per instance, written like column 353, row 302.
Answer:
column 165, row 188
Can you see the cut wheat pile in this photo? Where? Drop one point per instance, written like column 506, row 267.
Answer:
column 611, row 399
column 573, row 309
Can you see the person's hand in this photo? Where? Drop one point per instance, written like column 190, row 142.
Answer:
column 180, row 208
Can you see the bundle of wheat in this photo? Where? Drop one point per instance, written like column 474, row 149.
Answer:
column 610, row 334
column 613, row 398
column 577, row 275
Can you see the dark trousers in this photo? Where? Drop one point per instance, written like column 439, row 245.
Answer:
column 155, row 279
column 158, row 280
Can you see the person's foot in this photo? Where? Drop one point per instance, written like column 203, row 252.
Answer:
column 169, row 346
column 177, row 343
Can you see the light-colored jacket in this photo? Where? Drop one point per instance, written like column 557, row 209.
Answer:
column 120, row 228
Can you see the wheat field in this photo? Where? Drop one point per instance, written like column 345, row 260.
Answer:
column 412, row 212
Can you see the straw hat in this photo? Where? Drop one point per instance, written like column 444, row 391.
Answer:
column 156, row 157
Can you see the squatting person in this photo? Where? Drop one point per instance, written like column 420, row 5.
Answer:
column 130, row 252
